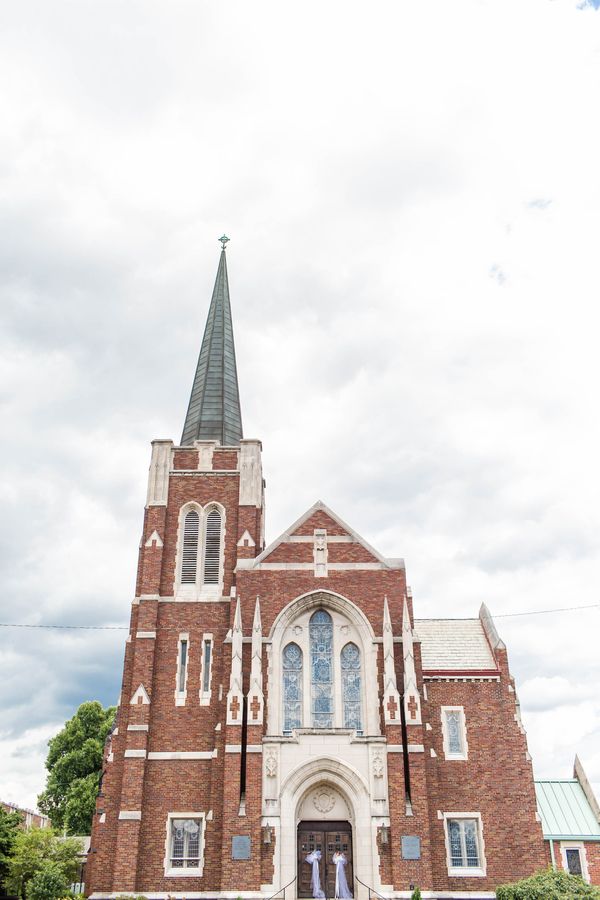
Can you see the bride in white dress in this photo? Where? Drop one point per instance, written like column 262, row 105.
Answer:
column 342, row 890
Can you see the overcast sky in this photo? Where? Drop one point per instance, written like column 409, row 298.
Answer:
column 412, row 192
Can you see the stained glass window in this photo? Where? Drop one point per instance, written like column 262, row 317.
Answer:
column 464, row 843
column 321, row 669
column 454, row 730
column 292, row 688
column 185, row 843
column 350, row 663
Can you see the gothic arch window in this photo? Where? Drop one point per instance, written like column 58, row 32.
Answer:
column 189, row 555
column 212, row 547
column 351, row 689
column 321, row 669
column 292, row 688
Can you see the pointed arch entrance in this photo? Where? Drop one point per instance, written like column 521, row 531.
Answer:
column 328, row 800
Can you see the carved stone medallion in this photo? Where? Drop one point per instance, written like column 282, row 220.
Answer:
column 324, row 800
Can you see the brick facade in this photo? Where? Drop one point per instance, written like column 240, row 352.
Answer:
column 226, row 760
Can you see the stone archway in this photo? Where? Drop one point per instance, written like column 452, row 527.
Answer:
column 320, row 789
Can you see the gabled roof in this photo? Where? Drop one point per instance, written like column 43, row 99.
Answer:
column 335, row 527
column 454, row 645
column 214, row 409
column 565, row 811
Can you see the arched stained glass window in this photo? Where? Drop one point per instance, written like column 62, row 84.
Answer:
column 212, row 547
column 189, row 556
column 321, row 669
column 350, row 664
column 292, row 688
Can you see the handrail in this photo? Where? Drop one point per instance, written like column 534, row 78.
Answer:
column 276, row 894
column 370, row 889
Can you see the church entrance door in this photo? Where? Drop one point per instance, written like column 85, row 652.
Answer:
column 328, row 837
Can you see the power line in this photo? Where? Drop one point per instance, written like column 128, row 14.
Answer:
column 541, row 612
column 532, row 612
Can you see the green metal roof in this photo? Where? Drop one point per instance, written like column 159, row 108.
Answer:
column 214, row 410
column 565, row 810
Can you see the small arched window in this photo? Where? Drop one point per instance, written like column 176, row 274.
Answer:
column 350, row 665
column 321, row 663
column 292, row 688
column 212, row 547
column 189, row 557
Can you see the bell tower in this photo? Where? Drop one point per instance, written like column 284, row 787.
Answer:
column 164, row 770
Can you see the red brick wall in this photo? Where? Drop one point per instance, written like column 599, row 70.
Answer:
column 129, row 856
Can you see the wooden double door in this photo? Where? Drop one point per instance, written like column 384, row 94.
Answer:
column 328, row 837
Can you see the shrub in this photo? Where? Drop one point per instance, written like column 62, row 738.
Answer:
column 416, row 894
column 37, row 849
column 49, row 883
column 548, row 885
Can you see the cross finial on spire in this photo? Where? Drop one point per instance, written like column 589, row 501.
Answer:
column 224, row 240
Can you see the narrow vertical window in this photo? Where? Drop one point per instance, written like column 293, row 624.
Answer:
column 206, row 669
column 212, row 547
column 321, row 676
column 206, row 666
column 350, row 665
column 453, row 725
column 183, row 649
column 292, row 688
column 189, row 556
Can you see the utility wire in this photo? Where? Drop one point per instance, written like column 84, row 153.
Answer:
column 533, row 612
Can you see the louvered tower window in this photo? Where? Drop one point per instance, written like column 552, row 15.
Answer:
column 189, row 559
column 212, row 548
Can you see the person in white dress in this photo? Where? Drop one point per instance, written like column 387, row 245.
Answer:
column 342, row 891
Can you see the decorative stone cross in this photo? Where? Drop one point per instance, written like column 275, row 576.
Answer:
column 224, row 240
column 255, row 707
column 392, row 707
column 234, row 707
column 412, row 707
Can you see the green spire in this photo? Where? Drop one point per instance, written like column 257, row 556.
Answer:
column 214, row 410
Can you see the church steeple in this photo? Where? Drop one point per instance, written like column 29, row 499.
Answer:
column 214, row 409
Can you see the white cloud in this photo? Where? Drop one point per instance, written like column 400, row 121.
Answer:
column 414, row 201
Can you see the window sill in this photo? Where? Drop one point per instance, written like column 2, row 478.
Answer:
column 183, row 873
column 466, row 872
column 456, row 757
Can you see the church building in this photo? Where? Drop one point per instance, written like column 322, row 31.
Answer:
column 288, row 725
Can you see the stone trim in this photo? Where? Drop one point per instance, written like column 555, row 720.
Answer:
column 130, row 815
column 182, row 754
column 135, row 754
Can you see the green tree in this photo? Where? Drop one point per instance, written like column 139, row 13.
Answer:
column 10, row 825
column 34, row 850
column 549, row 885
column 416, row 894
column 74, row 764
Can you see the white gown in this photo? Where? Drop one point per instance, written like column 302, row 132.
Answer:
column 342, row 890
column 315, row 882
